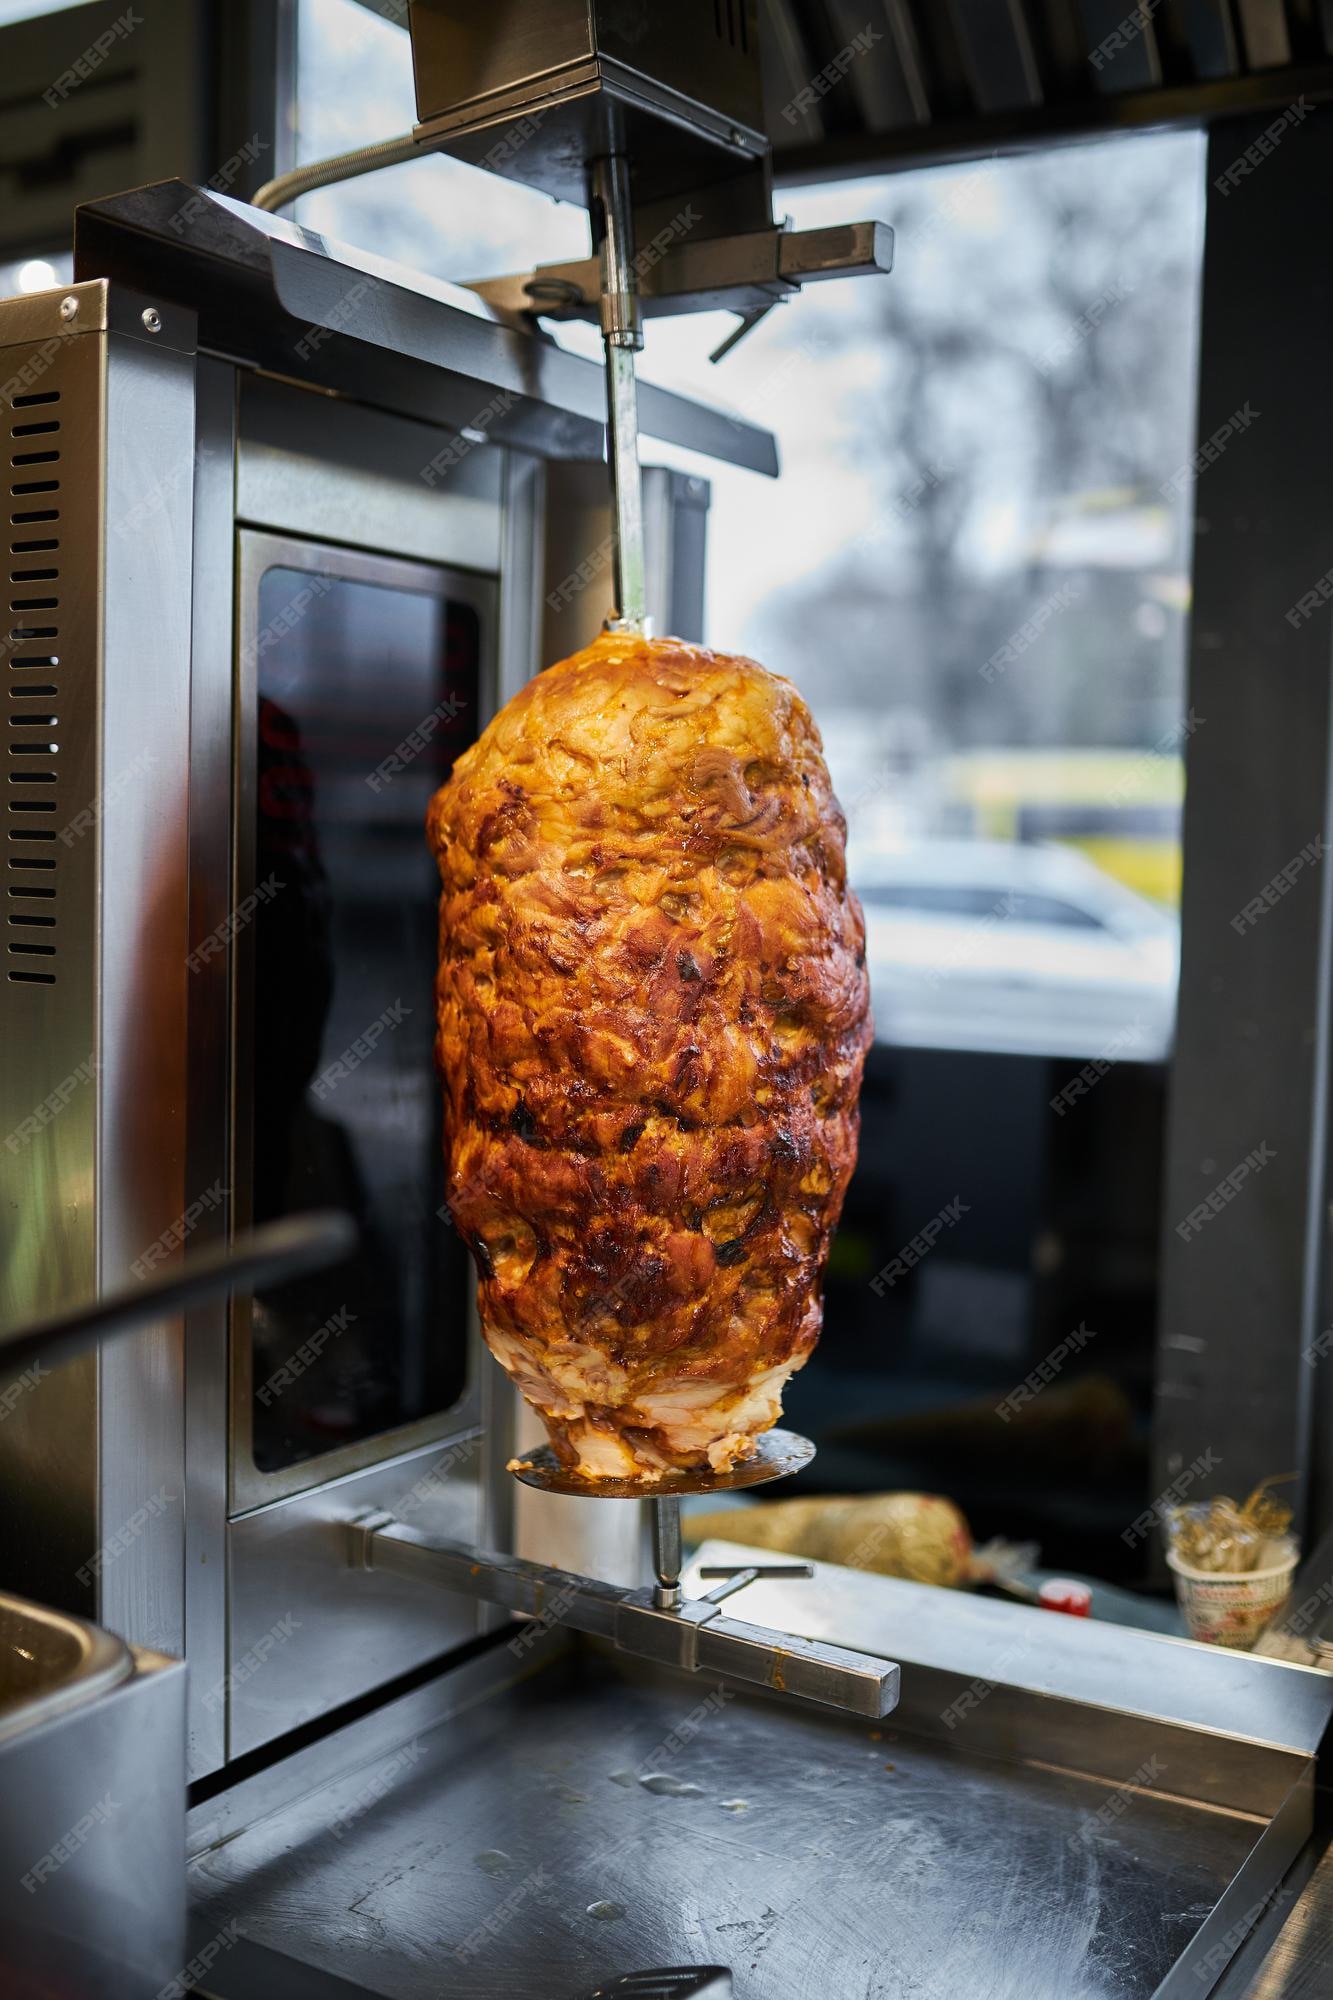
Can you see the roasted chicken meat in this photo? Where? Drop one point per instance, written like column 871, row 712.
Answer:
column 653, row 1015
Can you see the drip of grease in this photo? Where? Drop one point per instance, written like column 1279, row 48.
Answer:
column 666, row 1786
column 493, row 1861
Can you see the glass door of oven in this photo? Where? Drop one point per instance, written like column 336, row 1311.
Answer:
column 361, row 678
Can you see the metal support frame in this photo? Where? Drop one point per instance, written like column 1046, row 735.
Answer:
column 746, row 273
column 656, row 1624
column 1244, row 1284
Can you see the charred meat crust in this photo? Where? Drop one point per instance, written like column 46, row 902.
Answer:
column 652, row 1020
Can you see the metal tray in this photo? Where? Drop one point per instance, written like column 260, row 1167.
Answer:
column 1056, row 1812
column 92, row 1819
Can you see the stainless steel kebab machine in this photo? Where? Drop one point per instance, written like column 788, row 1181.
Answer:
column 285, row 524
column 653, row 117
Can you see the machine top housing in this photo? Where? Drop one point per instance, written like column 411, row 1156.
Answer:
column 537, row 94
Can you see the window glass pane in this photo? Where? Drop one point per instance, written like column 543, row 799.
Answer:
column 28, row 10
column 354, row 85
column 975, row 566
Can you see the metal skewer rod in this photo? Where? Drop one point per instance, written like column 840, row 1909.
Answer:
column 622, row 336
column 271, row 1255
column 666, row 1553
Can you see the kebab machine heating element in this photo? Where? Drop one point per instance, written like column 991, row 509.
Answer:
column 653, row 118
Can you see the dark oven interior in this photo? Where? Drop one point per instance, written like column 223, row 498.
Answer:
column 366, row 686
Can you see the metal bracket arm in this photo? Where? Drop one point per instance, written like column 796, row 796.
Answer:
column 741, row 273
column 694, row 1636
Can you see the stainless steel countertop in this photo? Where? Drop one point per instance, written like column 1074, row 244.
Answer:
column 505, row 1844
column 519, row 1856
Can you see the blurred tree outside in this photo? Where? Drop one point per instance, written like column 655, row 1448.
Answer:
column 1036, row 392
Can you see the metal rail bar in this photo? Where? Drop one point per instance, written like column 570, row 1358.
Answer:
column 275, row 1254
column 692, row 1635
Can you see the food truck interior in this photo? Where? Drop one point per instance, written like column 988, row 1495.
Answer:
column 963, row 362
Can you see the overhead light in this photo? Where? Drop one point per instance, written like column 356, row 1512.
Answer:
column 37, row 275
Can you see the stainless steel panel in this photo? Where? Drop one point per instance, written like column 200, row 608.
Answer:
column 675, row 509
column 306, row 1632
column 143, row 1201
column 526, row 523
column 314, row 465
column 601, row 1538
column 309, row 466
column 48, row 1031
column 1247, row 1726
column 676, row 532
column 207, row 1113
column 320, row 1641
column 377, row 1733
column 284, row 1561
column 92, row 1842
column 98, row 626
column 459, row 57
column 534, row 92
column 278, row 299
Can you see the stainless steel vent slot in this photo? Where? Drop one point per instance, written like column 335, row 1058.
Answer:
column 35, row 559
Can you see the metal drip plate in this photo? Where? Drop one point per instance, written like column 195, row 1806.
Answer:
column 777, row 1455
